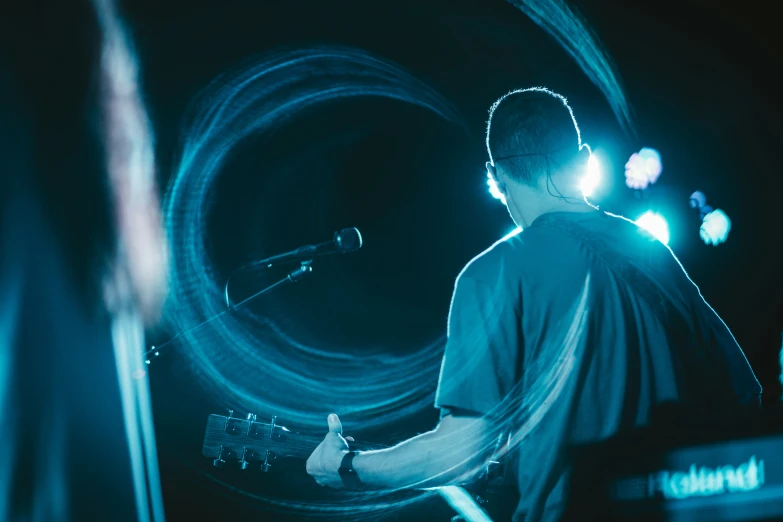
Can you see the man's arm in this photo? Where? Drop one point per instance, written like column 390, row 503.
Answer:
column 447, row 454
column 450, row 453
column 478, row 372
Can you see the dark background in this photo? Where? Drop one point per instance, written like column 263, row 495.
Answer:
column 703, row 85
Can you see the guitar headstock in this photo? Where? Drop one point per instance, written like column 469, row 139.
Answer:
column 242, row 443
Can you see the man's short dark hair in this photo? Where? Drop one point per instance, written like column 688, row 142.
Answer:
column 529, row 129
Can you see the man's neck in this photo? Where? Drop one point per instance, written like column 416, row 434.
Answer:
column 557, row 194
column 571, row 204
column 551, row 204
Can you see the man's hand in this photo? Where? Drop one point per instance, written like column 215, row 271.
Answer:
column 324, row 463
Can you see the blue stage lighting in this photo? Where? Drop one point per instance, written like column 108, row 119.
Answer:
column 715, row 228
column 655, row 225
column 493, row 189
column 643, row 169
column 592, row 178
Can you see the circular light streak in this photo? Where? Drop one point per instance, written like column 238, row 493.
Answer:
column 249, row 361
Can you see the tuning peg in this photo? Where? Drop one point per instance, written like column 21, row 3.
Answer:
column 230, row 413
column 242, row 462
column 266, row 465
column 251, row 417
column 219, row 462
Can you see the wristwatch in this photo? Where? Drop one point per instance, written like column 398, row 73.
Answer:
column 347, row 473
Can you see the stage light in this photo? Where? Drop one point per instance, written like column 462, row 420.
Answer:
column 655, row 225
column 592, row 178
column 715, row 228
column 697, row 200
column 643, row 169
column 493, row 189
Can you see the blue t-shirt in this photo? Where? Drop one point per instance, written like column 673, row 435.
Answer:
column 572, row 331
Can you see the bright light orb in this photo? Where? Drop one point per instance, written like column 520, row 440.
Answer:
column 592, row 178
column 494, row 190
column 643, row 169
column 715, row 228
column 655, row 225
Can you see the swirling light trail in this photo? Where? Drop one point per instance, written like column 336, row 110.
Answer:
column 574, row 35
column 549, row 390
column 247, row 359
column 263, row 97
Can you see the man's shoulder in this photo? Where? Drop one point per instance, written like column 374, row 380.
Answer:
column 494, row 261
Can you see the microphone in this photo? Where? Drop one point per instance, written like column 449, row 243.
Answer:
column 344, row 241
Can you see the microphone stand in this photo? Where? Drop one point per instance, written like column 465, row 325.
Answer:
column 293, row 277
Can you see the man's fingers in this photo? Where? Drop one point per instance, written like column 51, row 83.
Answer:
column 335, row 426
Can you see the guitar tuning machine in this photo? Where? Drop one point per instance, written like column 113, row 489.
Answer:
column 266, row 465
column 243, row 464
column 251, row 418
column 232, row 427
column 219, row 462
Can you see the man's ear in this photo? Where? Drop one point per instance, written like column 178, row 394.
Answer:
column 493, row 172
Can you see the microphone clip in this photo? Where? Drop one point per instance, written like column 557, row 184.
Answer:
column 298, row 274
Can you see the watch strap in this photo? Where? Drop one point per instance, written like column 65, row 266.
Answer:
column 347, row 473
